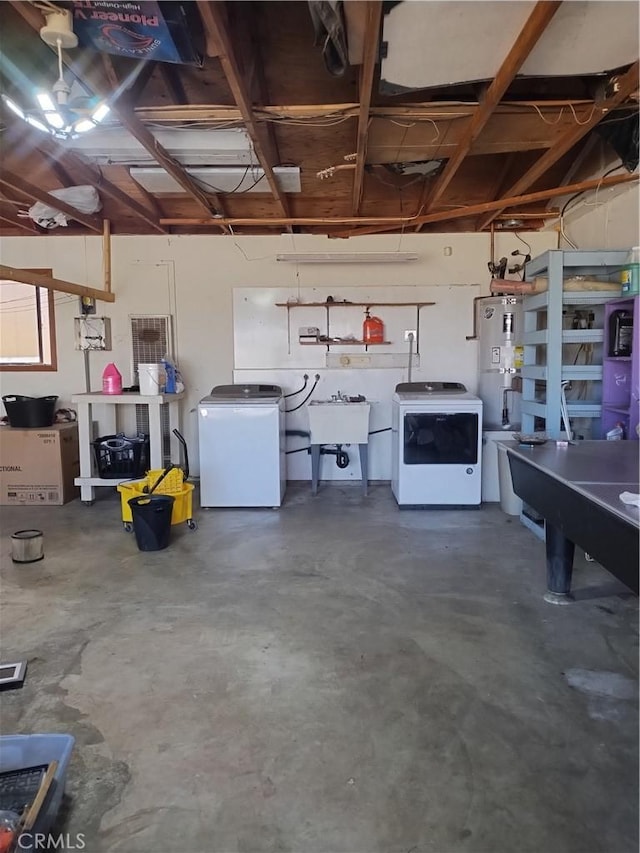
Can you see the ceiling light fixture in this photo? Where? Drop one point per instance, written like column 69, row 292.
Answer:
column 510, row 223
column 55, row 115
column 349, row 258
column 112, row 145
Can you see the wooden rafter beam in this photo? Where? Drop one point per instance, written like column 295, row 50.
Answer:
column 123, row 110
column 627, row 85
column 173, row 83
column 17, row 223
column 498, row 185
column 578, row 162
column 365, row 93
column 15, row 182
column 141, row 81
column 268, row 112
column 259, row 79
column 148, row 141
column 51, row 283
column 389, row 223
column 92, row 175
column 217, row 29
column 127, row 118
column 528, row 37
column 58, row 169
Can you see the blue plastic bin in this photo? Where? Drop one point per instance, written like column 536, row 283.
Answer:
column 20, row 751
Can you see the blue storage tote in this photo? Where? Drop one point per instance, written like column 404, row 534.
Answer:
column 20, row 751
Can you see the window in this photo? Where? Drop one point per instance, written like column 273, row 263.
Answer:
column 27, row 326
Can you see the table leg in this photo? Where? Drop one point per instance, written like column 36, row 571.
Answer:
column 174, row 423
column 87, row 493
column 315, row 468
column 155, row 436
column 560, row 551
column 364, row 467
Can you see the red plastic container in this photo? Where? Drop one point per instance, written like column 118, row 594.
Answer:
column 372, row 330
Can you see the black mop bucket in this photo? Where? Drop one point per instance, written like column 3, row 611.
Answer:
column 152, row 521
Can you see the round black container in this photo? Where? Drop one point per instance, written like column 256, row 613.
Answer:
column 152, row 521
column 30, row 411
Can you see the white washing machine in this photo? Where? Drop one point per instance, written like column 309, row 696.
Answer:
column 241, row 436
column 436, row 445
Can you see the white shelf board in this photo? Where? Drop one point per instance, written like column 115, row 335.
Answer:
column 582, row 336
column 131, row 397
column 103, row 481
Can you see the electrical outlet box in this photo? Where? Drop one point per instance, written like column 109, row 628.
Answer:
column 92, row 333
column 408, row 333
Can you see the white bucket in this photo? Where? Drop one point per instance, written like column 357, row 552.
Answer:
column 151, row 378
column 510, row 503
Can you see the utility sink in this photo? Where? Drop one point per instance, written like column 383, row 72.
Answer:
column 338, row 422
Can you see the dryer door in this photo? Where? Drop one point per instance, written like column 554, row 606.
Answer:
column 440, row 438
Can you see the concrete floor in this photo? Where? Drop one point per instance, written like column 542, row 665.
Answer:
column 334, row 676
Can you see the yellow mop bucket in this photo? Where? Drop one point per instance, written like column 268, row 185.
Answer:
column 172, row 483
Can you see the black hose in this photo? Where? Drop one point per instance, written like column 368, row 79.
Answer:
column 300, row 390
column 376, row 431
column 342, row 459
column 573, row 197
column 299, row 450
column 306, row 399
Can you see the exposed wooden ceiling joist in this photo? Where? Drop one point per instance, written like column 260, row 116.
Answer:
column 300, row 114
column 85, row 173
column 259, row 80
column 15, row 182
column 528, row 37
column 51, row 283
column 141, row 81
column 365, row 92
column 403, row 221
column 127, row 117
column 627, row 85
column 269, row 112
column 173, row 83
column 216, row 27
column 17, row 223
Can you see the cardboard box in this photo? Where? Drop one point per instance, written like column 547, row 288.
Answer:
column 38, row 466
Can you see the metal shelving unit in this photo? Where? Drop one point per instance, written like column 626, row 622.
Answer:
column 551, row 372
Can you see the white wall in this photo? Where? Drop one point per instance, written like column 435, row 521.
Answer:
column 606, row 219
column 193, row 277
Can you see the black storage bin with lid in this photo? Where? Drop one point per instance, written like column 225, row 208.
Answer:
column 28, row 412
column 120, row 456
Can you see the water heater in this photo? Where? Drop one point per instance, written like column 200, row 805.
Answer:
column 499, row 325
